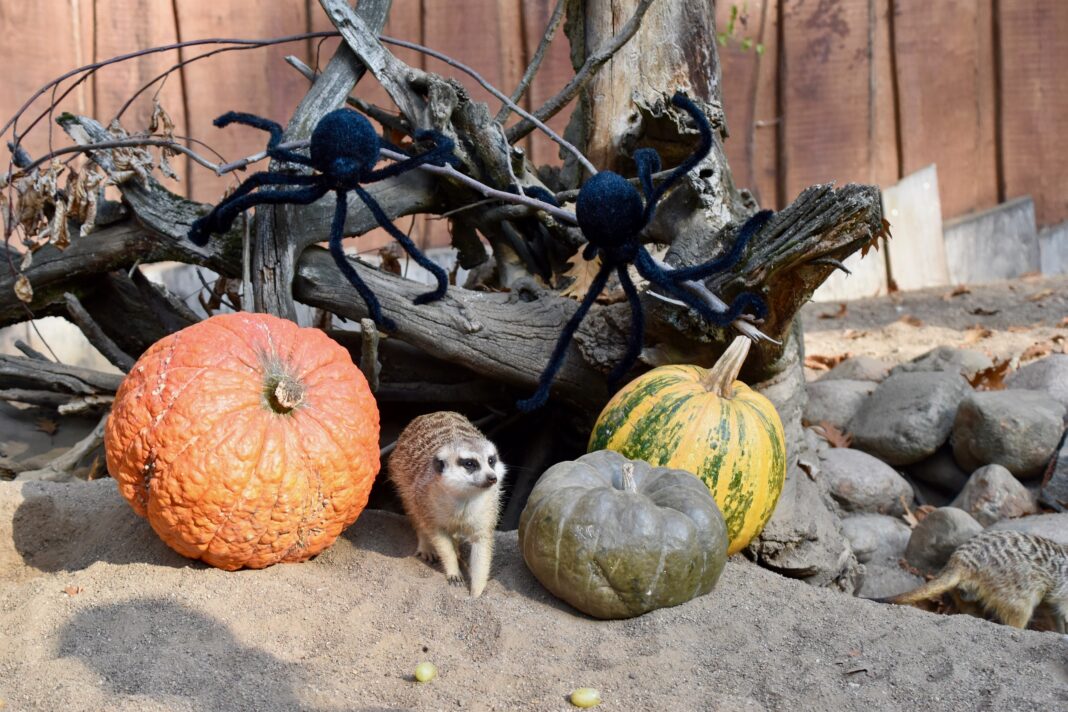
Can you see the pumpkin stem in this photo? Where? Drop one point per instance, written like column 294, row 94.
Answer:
column 721, row 377
column 284, row 394
column 628, row 478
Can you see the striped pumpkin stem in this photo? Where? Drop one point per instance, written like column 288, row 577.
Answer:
column 720, row 378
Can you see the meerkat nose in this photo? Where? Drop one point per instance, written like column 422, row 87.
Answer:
column 491, row 478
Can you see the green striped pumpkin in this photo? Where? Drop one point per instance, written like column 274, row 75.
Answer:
column 707, row 423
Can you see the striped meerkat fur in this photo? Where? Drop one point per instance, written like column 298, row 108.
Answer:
column 1006, row 573
column 448, row 476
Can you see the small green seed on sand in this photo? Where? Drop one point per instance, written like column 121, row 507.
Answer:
column 425, row 672
column 585, row 697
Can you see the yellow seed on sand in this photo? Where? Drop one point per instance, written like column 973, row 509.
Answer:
column 585, row 697
column 425, row 672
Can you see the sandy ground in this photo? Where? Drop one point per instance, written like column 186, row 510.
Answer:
column 97, row 614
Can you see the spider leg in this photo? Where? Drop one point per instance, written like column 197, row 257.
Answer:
column 746, row 301
column 560, row 350
column 409, row 247
column 337, row 231
column 750, row 228
column 271, row 127
column 703, row 148
column 441, row 153
column 637, row 327
column 648, row 161
column 223, row 215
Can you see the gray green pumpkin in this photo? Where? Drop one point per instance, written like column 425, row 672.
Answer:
column 617, row 538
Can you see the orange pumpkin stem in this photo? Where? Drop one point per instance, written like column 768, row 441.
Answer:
column 720, row 378
column 286, row 394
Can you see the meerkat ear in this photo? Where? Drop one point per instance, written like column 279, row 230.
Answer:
column 439, row 465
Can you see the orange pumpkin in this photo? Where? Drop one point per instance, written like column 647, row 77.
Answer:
column 245, row 440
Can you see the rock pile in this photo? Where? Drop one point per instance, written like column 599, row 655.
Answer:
column 930, row 451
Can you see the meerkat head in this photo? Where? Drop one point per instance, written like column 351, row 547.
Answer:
column 469, row 466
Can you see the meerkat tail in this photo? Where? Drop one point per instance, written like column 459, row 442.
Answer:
column 945, row 581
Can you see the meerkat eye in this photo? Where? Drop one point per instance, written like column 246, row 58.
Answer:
column 439, row 465
column 492, row 460
column 469, row 465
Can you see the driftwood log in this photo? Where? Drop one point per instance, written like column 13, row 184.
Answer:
column 490, row 339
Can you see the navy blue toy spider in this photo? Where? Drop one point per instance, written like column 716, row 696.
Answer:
column 344, row 149
column 611, row 215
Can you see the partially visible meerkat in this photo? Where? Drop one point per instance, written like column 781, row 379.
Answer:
column 1006, row 573
column 449, row 478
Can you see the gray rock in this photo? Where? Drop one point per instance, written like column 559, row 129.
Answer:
column 993, row 494
column 835, row 401
column 937, row 536
column 1014, row 428
column 1049, row 374
column 1054, row 489
column 877, row 539
column 947, row 359
column 803, row 538
column 858, row 368
column 862, row 483
column 1051, row 526
column 908, row 416
column 882, row 581
column 939, row 471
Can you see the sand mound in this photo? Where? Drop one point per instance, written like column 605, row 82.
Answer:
column 149, row 630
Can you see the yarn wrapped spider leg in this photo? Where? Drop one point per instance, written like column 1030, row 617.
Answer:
column 612, row 216
column 344, row 149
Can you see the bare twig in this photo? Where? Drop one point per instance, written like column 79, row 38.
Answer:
column 123, row 143
column 62, row 468
column 535, row 61
column 589, row 68
column 29, row 350
column 530, row 118
column 369, row 362
column 96, row 336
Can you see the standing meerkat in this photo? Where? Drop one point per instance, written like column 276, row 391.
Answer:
column 449, row 478
column 1007, row 573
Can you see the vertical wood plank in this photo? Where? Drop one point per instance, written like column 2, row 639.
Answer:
column 945, row 77
column 125, row 26
column 30, row 61
column 257, row 81
column 830, row 88
column 749, row 96
column 555, row 72
column 1034, row 103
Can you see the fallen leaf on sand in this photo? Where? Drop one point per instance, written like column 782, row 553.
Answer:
column 976, row 333
column 72, row 590
column 991, row 379
column 1036, row 351
column 959, row 290
column 1039, row 296
column 981, row 311
column 911, row 320
column 838, row 314
column 820, row 362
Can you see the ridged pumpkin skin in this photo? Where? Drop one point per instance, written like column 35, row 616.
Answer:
column 203, row 444
column 668, row 418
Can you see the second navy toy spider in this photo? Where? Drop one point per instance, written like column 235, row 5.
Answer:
column 344, row 149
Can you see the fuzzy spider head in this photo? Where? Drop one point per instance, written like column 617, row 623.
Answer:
column 610, row 211
column 344, row 146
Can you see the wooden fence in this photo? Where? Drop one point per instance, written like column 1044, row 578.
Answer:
column 845, row 90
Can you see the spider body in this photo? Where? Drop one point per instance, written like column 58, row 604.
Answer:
column 344, row 149
column 611, row 214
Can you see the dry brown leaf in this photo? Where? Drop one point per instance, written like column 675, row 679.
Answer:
column 842, row 310
column 833, row 435
column 1018, row 329
column 892, row 289
column 991, row 379
column 390, row 256
column 23, row 289
column 1039, row 296
column 73, row 590
column 854, row 334
column 47, row 426
column 959, row 290
column 982, row 311
column 1036, row 351
column 911, row 320
column 83, row 191
column 160, row 122
column 884, row 233
column 820, row 362
column 976, row 333
column 581, row 273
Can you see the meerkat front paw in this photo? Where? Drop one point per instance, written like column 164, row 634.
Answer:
column 455, row 580
column 427, row 555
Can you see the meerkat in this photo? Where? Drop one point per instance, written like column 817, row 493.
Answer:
column 1006, row 573
column 448, row 476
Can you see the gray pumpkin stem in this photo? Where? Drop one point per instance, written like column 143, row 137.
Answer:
column 721, row 377
column 628, row 477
